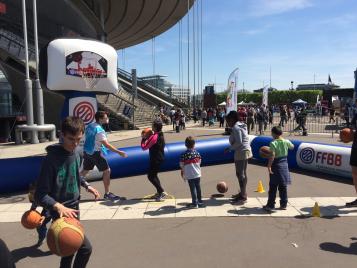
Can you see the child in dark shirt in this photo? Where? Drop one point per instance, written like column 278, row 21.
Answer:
column 58, row 186
column 156, row 144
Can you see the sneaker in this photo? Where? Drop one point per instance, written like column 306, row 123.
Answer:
column 267, row 208
column 111, row 196
column 234, row 196
column 161, row 197
column 283, row 207
column 239, row 199
column 154, row 196
column 201, row 205
column 352, row 204
column 192, row 205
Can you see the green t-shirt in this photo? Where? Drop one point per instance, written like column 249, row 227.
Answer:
column 280, row 147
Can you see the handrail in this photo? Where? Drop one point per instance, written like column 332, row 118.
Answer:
column 14, row 39
column 140, row 90
column 141, row 81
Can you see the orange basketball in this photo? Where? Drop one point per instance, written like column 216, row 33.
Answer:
column 222, row 187
column 65, row 236
column 346, row 135
column 265, row 152
column 31, row 219
column 146, row 133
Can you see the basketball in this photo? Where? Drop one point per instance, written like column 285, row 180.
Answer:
column 222, row 187
column 346, row 135
column 65, row 236
column 31, row 219
column 265, row 152
column 146, row 133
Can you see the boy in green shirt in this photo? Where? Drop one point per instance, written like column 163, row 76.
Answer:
column 278, row 169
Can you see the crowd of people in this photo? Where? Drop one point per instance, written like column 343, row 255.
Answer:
column 58, row 186
column 257, row 118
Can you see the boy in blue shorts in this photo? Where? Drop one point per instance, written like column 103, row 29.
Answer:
column 278, row 169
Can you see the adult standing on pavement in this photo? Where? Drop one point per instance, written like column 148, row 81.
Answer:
column 250, row 119
column 96, row 146
column 204, row 117
column 239, row 143
column 353, row 163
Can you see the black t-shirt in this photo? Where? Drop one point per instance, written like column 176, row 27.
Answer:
column 156, row 152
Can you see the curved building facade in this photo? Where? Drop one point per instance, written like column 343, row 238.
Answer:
column 121, row 23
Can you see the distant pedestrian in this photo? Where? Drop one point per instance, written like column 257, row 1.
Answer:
column 204, row 117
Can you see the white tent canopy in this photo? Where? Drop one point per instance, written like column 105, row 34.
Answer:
column 299, row 101
column 222, row 104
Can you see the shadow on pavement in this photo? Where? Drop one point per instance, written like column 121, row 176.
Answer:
column 337, row 248
column 165, row 210
column 32, row 251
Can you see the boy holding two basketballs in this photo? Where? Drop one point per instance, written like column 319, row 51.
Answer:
column 278, row 169
column 58, row 186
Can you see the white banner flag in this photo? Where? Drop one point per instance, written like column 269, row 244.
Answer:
column 232, row 91
column 265, row 96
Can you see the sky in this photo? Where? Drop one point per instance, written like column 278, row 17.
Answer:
column 298, row 40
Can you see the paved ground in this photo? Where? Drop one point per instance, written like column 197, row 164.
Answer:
column 210, row 240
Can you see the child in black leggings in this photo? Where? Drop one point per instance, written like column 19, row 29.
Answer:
column 156, row 144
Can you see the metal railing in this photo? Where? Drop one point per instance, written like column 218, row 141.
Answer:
column 314, row 123
column 14, row 45
column 152, row 89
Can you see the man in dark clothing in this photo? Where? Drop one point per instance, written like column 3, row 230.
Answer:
column 301, row 121
column 59, row 183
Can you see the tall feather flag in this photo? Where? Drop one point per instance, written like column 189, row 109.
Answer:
column 265, row 96
column 232, row 91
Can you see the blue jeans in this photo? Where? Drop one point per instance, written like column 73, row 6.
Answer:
column 195, row 189
column 82, row 256
column 273, row 187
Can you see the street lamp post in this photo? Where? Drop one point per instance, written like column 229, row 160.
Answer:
column 40, row 111
column 28, row 82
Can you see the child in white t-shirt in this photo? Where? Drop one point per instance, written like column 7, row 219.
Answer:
column 190, row 163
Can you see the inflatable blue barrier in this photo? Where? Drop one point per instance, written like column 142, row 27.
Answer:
column 325, row 158
column 18, row 173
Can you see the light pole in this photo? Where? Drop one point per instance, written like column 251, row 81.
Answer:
column 135, row 92
column 40, row 112
column 28, row 82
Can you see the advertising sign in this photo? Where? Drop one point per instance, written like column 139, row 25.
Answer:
column 84, row 108
column 232, row 96
column 324, row 158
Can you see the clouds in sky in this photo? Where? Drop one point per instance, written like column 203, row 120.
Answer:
column 297, row 38
column 261, row 8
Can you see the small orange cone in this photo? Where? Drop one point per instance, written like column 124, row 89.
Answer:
column 260, row 188
column 316, row 211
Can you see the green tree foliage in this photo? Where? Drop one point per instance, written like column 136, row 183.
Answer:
column 275, row 97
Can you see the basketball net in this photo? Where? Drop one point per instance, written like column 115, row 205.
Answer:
column 90, row 79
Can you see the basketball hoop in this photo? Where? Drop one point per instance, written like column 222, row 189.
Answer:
column 91, row 78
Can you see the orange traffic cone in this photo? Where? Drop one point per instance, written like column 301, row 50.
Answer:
column 260, row 188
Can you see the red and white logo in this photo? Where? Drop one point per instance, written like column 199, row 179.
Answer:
column 85, row 111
